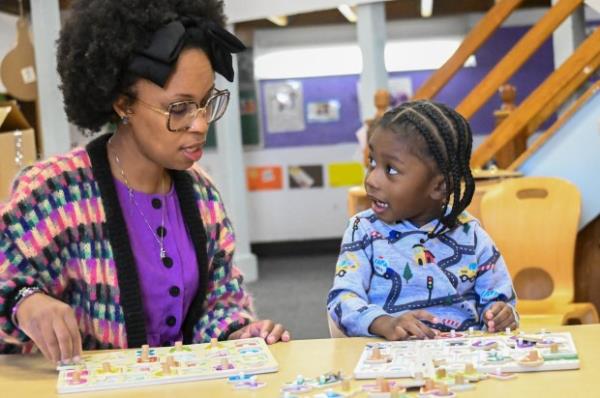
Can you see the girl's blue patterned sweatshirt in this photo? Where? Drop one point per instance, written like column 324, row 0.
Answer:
column 391, row 269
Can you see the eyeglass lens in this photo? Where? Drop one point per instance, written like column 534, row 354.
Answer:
column 183, row 114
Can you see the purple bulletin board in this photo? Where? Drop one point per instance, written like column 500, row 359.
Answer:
column 316, row 89
column 343, row 89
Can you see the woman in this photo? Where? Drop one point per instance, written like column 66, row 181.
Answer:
column 125, row 242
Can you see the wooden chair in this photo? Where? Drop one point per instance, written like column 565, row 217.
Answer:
column 334, row 331
column 533, row 221
column 357, row 200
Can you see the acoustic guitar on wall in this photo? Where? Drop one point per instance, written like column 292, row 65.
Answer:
column 18, row 66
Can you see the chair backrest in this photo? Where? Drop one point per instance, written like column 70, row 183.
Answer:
column 357, row 200
column 334, row 331
column 533, row 221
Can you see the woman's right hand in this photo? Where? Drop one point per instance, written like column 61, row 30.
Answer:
column 404, row 326
column 52, row 326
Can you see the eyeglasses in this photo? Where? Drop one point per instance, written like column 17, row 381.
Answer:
column 182, row 114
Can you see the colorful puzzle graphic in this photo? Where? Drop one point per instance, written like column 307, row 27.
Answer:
column 469, row 354
column 150, row 366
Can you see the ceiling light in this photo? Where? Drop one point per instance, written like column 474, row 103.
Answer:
column 348, row 12
column 426, row 8
column 279, row 21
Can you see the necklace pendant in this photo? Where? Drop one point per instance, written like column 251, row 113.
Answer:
column 163, row 253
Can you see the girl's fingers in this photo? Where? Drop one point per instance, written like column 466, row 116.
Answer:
column 495, row 309
column 424, row 331
column 400, row 333
column 504, row 319
column 414, row 329
column 500, row 320
column 424, row 315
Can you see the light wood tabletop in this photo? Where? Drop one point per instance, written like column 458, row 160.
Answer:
column 32, row 376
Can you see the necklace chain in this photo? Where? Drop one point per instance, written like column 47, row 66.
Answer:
column 159, row 240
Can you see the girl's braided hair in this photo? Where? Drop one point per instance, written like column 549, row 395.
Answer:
column 447, row 139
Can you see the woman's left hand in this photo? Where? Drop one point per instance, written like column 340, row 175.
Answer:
column 267, row 329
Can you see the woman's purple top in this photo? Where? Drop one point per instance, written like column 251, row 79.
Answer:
column 167, row 285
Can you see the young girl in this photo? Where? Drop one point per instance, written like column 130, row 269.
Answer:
column 125, row 242
column 415, row 263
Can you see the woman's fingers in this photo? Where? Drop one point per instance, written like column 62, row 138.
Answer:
column 266, row 326
column 265, row 329
column 52, row 326
column 71, row 323
column 36, row 335
column 51, row 341
column 275, row 334
column 65, row 340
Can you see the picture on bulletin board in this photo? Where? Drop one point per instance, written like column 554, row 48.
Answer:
column 285, row 107
column 323, row 111
column 346, row 174
column 264, row 178
column 401, row 90
column 302, row 177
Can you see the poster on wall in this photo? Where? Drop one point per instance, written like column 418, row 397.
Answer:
column 285, row 107
column 323, row 111
column 303, row 177
column 249, row 117
column 248, row 98
column 345, row 174
column 401, row 90
column 263, row 178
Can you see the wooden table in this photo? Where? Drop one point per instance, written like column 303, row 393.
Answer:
column 32, row 376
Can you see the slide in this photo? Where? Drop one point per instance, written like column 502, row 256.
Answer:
column 573, row 153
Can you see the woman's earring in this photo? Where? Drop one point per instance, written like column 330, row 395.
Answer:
column 124, row 119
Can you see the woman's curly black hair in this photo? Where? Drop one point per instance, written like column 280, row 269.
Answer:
column 97, row 43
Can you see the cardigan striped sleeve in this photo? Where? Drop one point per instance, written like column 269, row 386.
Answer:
column 228, row 306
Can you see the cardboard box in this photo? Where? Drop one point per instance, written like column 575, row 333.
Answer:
column 17, row 145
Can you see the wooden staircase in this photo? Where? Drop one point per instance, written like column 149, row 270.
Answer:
column 544, row 101
column 529, row 115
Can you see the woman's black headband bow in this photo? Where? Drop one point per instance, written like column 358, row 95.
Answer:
column 158, row 59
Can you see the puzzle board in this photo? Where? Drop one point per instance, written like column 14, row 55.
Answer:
column 487, row 353
column 192, row 363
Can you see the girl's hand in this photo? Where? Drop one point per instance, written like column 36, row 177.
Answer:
column 52, row 326
column 499, row 317
column 404, row 326
column 271, row 332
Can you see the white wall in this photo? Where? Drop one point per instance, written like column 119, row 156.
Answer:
column 297, row 214
column 292, row 214
column 8, row 37
column 321, row 213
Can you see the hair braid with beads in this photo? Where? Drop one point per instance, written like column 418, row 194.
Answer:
column 448, row 140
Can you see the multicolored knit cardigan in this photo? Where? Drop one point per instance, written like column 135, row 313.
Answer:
column 63, row 230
